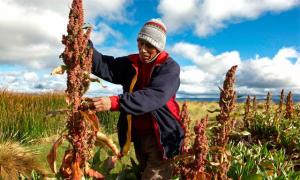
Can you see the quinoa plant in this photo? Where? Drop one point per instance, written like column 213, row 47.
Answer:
column 289, row 106
column 220, row 153
column 186, row 121
column 278, row 113
column 254, row 105
column 247, row 112
column 280, row 106
column 191, row 164
column 268, row 103
column 201, row 149
column 82, row 122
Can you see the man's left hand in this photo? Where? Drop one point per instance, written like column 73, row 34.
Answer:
column 102, row 103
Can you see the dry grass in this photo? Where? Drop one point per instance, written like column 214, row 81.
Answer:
column 199, row 110
column 16, row 160
column 25, row 115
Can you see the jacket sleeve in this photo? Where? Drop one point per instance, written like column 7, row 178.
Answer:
column 163, row 85
column 114, row 70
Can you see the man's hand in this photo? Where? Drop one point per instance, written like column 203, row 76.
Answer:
column 101, row 103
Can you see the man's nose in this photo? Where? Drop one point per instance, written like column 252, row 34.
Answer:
column 143, row 48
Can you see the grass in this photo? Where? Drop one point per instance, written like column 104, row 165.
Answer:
column 24, row 116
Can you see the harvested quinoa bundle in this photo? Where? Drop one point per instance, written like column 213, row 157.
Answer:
column 82, row 122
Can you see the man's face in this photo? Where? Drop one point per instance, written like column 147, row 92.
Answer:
column 146, row 51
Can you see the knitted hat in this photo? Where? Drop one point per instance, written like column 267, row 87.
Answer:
column 155, row 33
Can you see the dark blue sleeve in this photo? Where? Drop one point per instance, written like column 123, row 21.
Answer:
column 164, row 84
column 114, row 70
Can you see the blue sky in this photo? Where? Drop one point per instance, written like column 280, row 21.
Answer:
column 205, row 37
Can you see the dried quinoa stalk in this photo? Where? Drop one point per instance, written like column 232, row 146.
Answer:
column 254, row 105
column 200, row 146
column 280, row 106
column 227, row 104
column 268, row 103
column 289, row 106
column 191, row 166
column 221, row 156
column 279, row 110
column 186, row 121
column 247, row 112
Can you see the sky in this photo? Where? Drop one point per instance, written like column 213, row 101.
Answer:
column 205, row 37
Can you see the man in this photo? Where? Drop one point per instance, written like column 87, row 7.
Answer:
column 149, row 114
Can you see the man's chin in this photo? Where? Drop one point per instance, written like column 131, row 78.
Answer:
column 145, row 60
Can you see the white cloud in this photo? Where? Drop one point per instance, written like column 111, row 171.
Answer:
column 31, row 36
column 102, row 31
column 277, row 72
column 178, row 13
column 194, row 81
column 208, row 16
column 112, row 9
column 256, row 75
column 31, row 76
column 98, row 90
column 32, row 29
column 29, row 81
column 192, row 75
column 205, row 60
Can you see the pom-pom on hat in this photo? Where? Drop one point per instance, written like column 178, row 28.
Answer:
column 154, row 32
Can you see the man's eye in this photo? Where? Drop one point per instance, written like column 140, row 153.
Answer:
column 148, row 45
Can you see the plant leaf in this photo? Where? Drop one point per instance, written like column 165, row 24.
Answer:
column 51, row 157
column 242, row 133
column 88, row 76
column 92, row 119
column 59, row 70
column 102, row 138
column 253, row 177
column 213, row 111
column 65, row 169
column 76, row 171
column 94, row 174
column 110, row 162
column 202, row 176
column 215, row 163
column 87, row 26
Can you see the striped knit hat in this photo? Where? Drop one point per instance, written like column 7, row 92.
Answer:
column 155, row 33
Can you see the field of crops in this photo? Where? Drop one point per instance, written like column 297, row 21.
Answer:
column 264, row 142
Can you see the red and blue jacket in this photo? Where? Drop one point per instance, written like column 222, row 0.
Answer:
column 156, row 98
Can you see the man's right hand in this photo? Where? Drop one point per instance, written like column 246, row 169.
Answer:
column 101, row 103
